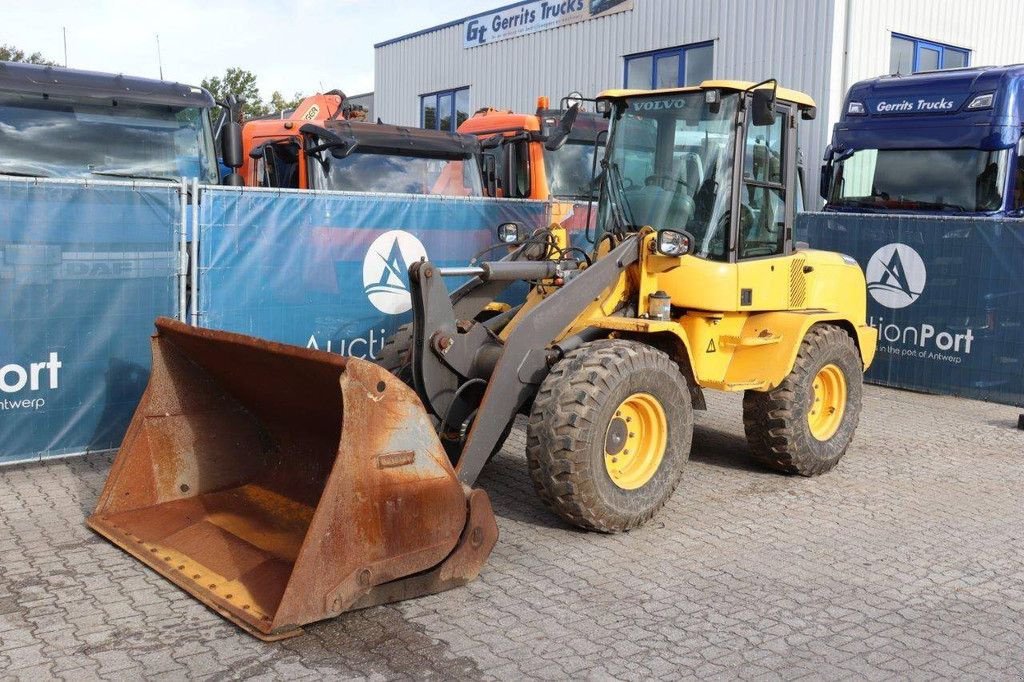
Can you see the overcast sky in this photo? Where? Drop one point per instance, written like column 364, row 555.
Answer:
column 293, row 46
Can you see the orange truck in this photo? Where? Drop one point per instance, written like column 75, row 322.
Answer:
column 548, row 154
column 323, row 145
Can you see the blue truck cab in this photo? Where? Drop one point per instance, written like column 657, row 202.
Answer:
column 944, row 142
column 72, row 124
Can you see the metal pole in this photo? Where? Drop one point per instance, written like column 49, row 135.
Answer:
column 65, row 29
column 195, row 253
column 182, row 250
column 159, row 57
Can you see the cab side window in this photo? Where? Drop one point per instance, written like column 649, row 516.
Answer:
column 279, row 165
column 514, row 177
column 763, row 198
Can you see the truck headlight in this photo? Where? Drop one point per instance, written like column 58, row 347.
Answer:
column 982, row 101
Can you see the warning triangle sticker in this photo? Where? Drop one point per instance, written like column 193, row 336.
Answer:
column 711, row 346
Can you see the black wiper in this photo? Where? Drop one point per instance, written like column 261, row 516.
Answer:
column 22, row 174
column 133, row 176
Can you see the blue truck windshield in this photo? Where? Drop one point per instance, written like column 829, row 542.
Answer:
column 952, row 180
column 61, row 137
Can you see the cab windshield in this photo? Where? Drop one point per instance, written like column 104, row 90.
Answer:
column 952, row 180
column 364, row 171
column 61, row 137
column 669, row 165
column 570, row 170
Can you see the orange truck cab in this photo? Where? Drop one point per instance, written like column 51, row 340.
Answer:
column 527, row 167
column 319, row 146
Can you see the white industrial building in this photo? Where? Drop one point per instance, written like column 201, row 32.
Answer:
column 505, row 58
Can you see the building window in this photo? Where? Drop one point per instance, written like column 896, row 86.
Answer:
column 911, row 55
column 671, row 68
column 444, row 110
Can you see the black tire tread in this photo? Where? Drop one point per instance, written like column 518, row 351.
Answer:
column 771, row 418
column 564, row 406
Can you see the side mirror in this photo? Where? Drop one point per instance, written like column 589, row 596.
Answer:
column 763, row 107
column 825, row 180
column 674, row 243
column 561, row 134
column 490, row 174
column 509, row 233
column 231, row 145
column 809, row 113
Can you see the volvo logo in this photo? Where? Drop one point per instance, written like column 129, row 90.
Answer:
column 896, row 275
column 659, row 104
column 386, row 270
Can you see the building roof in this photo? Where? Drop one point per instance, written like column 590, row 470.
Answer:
column 56, row 80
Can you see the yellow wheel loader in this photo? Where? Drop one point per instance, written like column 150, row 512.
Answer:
column 282, row 486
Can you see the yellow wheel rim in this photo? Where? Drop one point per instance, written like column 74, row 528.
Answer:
column 828, row 402
column 634, row 442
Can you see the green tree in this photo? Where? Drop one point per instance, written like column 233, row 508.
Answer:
column 9, row 53
column 238, row 81
column 279, row 102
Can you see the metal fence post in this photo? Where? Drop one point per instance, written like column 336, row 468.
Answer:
column 194, row 316
column 182, row 248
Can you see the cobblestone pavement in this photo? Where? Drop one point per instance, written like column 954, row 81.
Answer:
column 904, row 562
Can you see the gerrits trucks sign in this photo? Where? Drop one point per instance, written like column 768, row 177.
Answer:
column 931, row 104
column 536, row 16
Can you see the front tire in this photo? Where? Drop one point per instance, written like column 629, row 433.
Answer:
column 609, row 435
column 805, row 425
column 396, row 354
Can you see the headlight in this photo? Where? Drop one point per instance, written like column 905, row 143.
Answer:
column 982, row 101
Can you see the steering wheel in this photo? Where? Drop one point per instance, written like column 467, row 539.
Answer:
column 717, row 243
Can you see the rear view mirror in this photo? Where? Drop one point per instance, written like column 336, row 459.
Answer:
column 561, row 134
column 763, row 107
column 489, row 168
column 674, row 243
column 231, row 152
column 509, row 233
column 825, row 180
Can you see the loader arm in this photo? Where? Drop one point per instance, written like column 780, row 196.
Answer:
column 447, row 358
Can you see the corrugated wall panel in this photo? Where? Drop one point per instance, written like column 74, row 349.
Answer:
column 754, row 39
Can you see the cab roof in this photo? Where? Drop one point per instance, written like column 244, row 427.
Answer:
column 785, row 94
column 35, row 79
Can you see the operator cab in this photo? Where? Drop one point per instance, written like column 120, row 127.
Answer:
column 716, row 161
column 71, row 124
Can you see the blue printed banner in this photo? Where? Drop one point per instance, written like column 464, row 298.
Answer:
column 84, row 270
column 946, row 295
column 331, row 271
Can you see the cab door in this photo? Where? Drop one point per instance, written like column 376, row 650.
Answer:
column 764, row 209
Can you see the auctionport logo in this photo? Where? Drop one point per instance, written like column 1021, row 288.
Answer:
column 896, row 275
column 15, row 378
column 386, row 270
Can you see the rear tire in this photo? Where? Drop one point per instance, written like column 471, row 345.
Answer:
column 578, row 440
column 805, row 425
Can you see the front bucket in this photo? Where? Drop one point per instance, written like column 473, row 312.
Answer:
column 280, row 485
